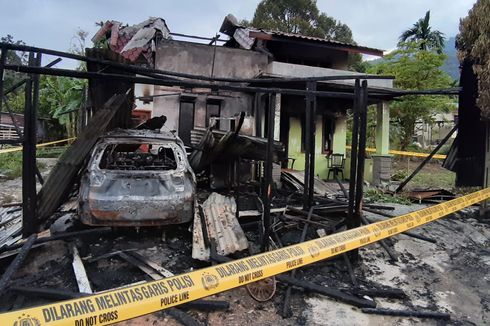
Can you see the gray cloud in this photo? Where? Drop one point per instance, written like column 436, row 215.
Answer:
column 375, row 23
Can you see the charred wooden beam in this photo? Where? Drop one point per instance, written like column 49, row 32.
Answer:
column 407, row 313
column 382, row 293
column 62, row 236
column 14, row 266
column 268, row 185
column 329, row 292
column 165, row 81
column 182, row 317
column 55, row 294
column 286, row 309
column 30, row 222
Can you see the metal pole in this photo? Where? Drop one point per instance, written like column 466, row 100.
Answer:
column 29, row 195
column 426, row 160
column 353, row 156
column 268, row 172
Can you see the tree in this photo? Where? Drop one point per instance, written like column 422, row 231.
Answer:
column 473, row 44
column 60, row 98
column 13, row 58
column 77, row 46
column 302, row 17
column 423, row 33
column 415, row 69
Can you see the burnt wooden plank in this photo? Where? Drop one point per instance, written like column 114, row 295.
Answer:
column 62, row 177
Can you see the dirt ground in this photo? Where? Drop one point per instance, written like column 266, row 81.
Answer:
column 11, row 189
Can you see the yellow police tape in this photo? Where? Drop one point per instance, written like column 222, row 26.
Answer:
column 122, row 304
column 403, row 153
column 19, row 148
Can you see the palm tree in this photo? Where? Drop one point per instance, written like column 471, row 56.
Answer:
column 421, row 31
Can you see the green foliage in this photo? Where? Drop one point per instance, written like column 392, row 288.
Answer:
column 422, row 33
column 415, row 69
column 473, row 43
column 77, row 46
column 373, row 195
column 302, row 17
column 13, row 58
column 50, row 152
column 287, row 16
column 11, row 164
column 60, row 98
column 400, row 175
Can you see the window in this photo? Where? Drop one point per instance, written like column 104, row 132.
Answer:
column 213, row 108
column 138, row 156
column 328, row 129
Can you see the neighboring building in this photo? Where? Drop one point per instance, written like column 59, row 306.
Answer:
column 8, row 126
column 429, row 135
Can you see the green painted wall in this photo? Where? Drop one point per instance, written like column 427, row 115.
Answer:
column 294, row 150
column 340, row 135
column 339, row 142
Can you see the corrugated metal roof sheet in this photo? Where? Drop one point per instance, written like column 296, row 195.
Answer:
column 222, row 227
column 322, row 40
column 10, row 225
column 230, row 25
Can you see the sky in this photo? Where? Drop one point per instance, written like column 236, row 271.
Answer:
column 374, row 23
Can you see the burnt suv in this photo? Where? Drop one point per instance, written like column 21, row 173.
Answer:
column 137, row 178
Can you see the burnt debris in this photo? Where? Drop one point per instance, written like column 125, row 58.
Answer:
column 148, row 206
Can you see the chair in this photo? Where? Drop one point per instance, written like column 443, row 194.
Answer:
column 336, row 164
column 286, row 161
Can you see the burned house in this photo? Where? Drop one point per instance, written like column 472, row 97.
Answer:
column 256, row 54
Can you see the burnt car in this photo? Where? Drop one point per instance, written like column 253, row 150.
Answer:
column 137, row 178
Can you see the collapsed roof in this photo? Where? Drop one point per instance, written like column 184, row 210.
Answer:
column 132, row 41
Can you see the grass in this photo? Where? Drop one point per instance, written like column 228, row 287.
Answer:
column 373, row 195
column 11, row 163
column 433, row 175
